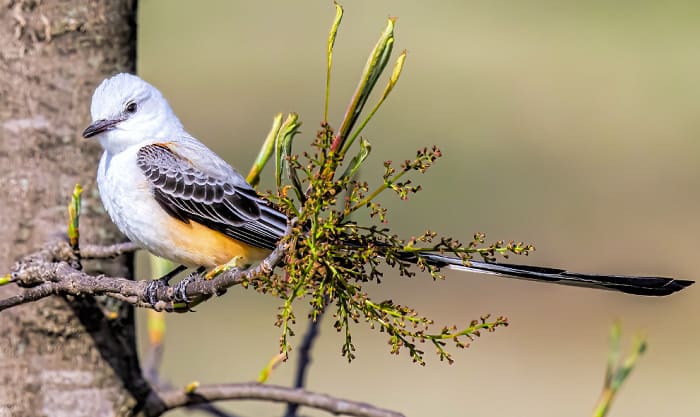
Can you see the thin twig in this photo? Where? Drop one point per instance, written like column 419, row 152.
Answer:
column 304, row 360
column 110, row 251
column 252, row 391
column 206, row 407
column 212, row 410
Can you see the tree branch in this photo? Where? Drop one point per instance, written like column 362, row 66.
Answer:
column 175, row 398
column 53, row 270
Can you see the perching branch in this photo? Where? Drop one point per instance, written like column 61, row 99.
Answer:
column 175, row 398
column 53, row 270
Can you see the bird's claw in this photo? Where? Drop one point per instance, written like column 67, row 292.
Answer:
column 151, row 291
column 180, row 290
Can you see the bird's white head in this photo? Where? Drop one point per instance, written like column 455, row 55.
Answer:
column 127, row 111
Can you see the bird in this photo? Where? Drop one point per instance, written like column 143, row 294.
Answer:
column 173, row 196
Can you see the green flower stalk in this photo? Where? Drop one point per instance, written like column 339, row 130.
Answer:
column 74, row 218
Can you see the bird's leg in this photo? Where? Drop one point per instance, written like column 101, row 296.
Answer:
column 151, row 291
column 180, row 290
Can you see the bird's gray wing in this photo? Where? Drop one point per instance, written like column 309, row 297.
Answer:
column 228, row 205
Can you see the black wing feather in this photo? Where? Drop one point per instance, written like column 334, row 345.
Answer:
column 189, row 194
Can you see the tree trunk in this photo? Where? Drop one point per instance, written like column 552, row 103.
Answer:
column 60, row 356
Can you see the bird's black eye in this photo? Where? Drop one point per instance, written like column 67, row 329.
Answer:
column 131, row 107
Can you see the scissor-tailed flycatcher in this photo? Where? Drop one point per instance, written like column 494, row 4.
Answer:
column 173, row 196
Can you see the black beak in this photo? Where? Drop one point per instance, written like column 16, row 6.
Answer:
column 98, row 127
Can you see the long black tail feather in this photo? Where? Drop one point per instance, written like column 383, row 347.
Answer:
column 638, row 285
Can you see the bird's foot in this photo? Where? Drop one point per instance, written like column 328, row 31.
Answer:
column 180, row 289
column 151, row 291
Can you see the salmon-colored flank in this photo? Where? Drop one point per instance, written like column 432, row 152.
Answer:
column 202, row 246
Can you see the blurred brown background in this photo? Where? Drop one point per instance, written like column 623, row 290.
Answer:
column 567, row 124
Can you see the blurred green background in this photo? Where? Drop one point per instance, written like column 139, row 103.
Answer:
column 572, row 125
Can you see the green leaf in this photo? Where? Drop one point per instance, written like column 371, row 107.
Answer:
column 329, row 53
column 357, row 160
column 398, row 67
column 289, row 129
column 374, row 67
column 616, row 373
column 268, row 146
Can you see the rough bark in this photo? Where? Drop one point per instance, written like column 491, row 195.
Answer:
column 60, row 356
